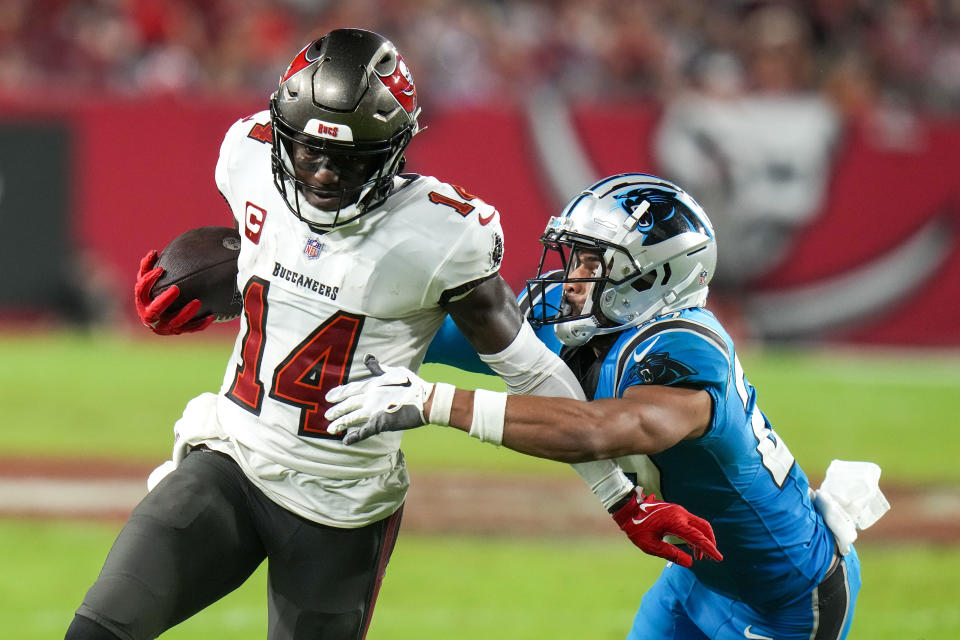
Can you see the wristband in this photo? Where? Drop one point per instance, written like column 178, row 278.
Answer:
column 489, row 409
column 606, row 480
column 442, row 403
column 622, row 502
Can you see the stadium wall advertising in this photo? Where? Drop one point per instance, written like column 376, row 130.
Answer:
column 874, row 258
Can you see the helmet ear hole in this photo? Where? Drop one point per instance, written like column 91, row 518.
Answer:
column 644, row 282
column 386, row 64
column 666, row 273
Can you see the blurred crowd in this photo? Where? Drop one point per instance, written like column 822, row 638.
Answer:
column 860, row 52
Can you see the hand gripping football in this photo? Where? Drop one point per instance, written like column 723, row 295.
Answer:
column 202, row 262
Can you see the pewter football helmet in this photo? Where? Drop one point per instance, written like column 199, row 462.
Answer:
column 350, row 96
column 657, row 250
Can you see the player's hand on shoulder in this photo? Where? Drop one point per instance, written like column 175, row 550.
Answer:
column 391, row 400
column 647, row 520
column 152, row 310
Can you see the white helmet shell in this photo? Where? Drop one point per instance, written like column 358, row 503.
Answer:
column 658, row 254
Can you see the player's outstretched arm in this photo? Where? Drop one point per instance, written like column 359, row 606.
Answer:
column 647, row 419
column 492, row 322
column 395, row 398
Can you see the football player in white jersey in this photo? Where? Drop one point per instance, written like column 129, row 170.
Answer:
column 370, row 261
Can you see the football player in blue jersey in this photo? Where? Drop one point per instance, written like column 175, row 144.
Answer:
column 666, row 393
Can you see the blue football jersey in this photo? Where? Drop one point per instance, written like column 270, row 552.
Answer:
column 740, row 476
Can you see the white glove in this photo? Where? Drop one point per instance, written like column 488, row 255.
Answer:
column 391, row 400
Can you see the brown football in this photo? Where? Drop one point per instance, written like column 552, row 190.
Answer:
column 202, row 262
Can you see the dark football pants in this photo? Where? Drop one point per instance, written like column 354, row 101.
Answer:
column 202, row 532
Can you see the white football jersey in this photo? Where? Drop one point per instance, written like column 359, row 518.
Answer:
column 314, row 305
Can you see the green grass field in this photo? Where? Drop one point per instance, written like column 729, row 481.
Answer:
column 79, row 395
column 66, row 394
column 467, row 588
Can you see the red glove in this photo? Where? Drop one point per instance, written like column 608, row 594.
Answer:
column 646, row 521
column 150, row 311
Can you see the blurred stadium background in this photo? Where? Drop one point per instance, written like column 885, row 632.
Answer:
column 820, row 135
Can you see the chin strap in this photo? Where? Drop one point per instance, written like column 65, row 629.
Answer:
column 575, row 333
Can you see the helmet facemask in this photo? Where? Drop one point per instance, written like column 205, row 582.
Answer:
column 584, row 262
column 369, row 188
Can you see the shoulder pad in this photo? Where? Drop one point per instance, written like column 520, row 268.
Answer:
column 674, row 351
column 472, row 239
column 254, row 129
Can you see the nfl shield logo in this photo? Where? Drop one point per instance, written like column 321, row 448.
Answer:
column 703, row 277
column 312, row 248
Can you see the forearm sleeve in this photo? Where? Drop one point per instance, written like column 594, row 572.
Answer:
column 528, row 367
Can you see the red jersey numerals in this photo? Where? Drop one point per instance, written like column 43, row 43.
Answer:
column 463, row 208
column 247, row 390
column 262, row 133
column 316, row 365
